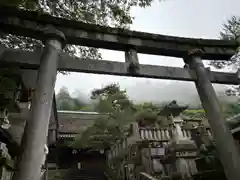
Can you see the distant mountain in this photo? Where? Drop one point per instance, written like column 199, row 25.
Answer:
column 159, row 92
column 184, row 93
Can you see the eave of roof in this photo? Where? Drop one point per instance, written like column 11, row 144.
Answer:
column 76, row 112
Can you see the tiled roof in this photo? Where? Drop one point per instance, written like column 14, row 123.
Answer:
column 76, row 122
column 77, row 112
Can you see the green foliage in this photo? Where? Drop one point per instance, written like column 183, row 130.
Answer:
column 8, row 80
column 118, row 112
column 99, row 136
column 87, row 108
column 112, row 99
column 230, row 31
column 231, row 109
column 104, row 12
column 194, row 113
column 228, row 110
column 146, row 114
column 7, row 85
column 66, row 102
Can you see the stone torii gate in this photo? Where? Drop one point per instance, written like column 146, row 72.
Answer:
column 62, row 31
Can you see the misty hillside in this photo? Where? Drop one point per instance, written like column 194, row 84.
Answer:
column 184, row 92
column 158, row 92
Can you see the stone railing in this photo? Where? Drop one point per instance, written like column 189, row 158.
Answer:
column 139, row 134
column 154, row 134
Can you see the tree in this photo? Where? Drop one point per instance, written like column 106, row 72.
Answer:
column 115, row 13
column 230, row 31
column 116, row 104
column 232, row 109
column 117, row 112
column 228, row 109
column 194, row 113
column 66, row 102
column 147, row 114
column 111, row 98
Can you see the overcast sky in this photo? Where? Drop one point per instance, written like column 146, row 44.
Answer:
column 187, row 18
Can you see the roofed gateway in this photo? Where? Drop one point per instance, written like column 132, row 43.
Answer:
column 175, row 148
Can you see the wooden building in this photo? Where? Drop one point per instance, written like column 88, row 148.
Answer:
column 72, row 162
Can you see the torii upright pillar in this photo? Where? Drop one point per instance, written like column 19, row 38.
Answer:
column 30, row 162
column 226, row 148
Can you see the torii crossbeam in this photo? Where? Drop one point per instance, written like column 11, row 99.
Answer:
column 34, row 25
column 31, row 60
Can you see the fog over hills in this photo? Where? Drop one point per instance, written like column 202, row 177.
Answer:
column 158, row 92
column 180, row 23
column 183, row 92
column 151, row 90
